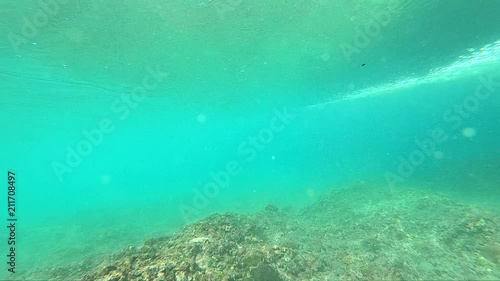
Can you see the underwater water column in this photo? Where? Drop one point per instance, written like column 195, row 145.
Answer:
column 249, row 140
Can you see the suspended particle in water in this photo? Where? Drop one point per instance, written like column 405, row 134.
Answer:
column 325, row 56
column 272, row 157
column 201, row 118
column 105, row 179
column 75, row 35
column 310, row 192
column 469, row 132
column 438, row 155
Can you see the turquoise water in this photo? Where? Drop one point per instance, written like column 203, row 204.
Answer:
column 237, row 105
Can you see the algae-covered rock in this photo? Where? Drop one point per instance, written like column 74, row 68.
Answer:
column 350, row 234
column 265, row 272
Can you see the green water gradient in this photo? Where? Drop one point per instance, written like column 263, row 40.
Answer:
column 357, row 109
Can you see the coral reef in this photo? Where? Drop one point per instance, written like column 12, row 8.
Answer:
column 359, row 233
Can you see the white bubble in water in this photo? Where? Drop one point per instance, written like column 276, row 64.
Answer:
column 105, row 179
column 469, row 132
column 310, row 192
column 202, row 118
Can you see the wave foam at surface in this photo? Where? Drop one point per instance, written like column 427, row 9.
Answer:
column 467, row 65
